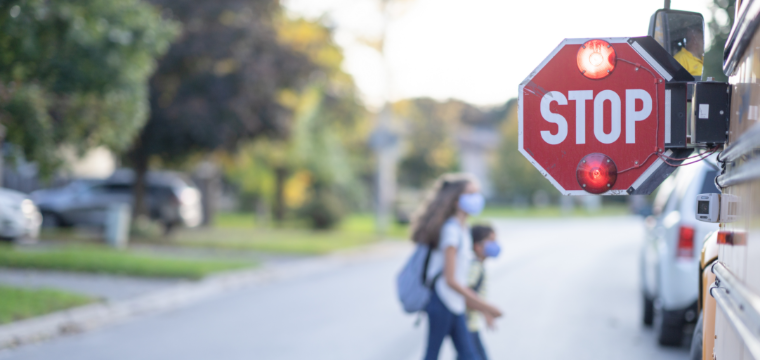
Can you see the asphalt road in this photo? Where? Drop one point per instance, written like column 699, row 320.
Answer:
column 569, row 289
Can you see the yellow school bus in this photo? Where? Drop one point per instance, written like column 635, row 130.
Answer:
column 729, row 327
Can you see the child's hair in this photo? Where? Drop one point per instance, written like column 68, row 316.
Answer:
column 440, row 204
column 480, row 233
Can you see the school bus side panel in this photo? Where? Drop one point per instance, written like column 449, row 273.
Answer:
column 744, row 114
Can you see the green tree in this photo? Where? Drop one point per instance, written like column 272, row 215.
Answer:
column 317, row 167
column 219, row 84
column 330, row 133
column 514, row 177
column 720, row 27
column 430, row 148
column 74, row 73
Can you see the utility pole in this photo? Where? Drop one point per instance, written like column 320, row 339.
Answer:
column 384, row 141
column 667, row 5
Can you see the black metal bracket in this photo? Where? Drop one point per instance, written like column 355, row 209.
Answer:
column 709, row 114
column 710, row 105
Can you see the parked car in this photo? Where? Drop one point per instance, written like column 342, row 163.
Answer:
column 671, row 251
column 170, row 198
column 19, row 216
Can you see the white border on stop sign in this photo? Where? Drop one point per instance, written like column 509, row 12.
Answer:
column 577, row 41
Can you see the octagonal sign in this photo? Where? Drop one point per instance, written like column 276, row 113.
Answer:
column 602, row 100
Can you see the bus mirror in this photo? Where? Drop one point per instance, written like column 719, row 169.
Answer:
column 682, row 34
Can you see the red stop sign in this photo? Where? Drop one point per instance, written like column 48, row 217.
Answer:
column 604, row 97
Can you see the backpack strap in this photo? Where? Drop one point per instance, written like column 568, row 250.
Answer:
column 427, row 260
column 424, row 273
column 435, row 278
column 479, row 283
column 425, row 267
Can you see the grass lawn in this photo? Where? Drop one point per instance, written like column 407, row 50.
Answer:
column 100, row 259
column 239, row 231
column 17, row 304
column 365, row 224
column 360, row 223
column 270, row 240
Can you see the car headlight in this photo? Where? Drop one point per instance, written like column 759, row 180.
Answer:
column 27, row 207
column 189, row 196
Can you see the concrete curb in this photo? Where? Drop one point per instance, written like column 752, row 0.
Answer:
column 97, row 315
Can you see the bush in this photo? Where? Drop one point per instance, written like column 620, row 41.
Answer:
column 323, row 211
column 144, row 227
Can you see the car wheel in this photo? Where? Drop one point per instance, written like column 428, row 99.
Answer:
column 648, row 310
column 50, row 220
column 668, row 325
column 168, row 227
column 696, row 341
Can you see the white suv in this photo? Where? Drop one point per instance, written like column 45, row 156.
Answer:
column 19, row 217
column 671, row 250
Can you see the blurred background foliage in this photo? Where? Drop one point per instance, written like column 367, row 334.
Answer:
column 244, row 85
column 720, row 26
column 219, row 84
column 73, row 72
column 429, row 148
column 324, row 156
column 515, row 178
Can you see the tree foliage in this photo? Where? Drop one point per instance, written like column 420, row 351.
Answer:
column 316, row 168
column 430, row 147
column 219, row 83
column 329, row 136
column 74, row 72
column 514, row 177
column 720, row 26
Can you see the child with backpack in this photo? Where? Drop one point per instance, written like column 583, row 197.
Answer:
column 484, row 245
column 435, row 278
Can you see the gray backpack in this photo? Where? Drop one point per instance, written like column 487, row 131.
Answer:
column 413, row 289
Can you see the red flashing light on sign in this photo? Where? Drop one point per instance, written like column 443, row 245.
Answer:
column 596, row 173
column 596, row 59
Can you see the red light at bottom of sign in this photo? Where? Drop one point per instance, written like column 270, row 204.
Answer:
column 596, row 173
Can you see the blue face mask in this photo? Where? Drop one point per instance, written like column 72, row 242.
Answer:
column 472, row 203
column 492, row 249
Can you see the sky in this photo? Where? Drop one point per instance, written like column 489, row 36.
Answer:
column 474, row 50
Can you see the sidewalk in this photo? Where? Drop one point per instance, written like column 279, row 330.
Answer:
column 105, row 287
column 126, row 298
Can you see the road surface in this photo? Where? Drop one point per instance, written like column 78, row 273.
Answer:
column 568, row 288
